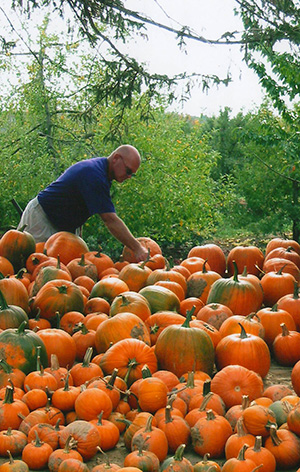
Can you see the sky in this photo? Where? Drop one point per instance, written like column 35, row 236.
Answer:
column 210, row 19
column 161, row 53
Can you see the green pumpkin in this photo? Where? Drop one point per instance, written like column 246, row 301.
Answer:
column 11, row 316
column 18, row 347
column 160, row 298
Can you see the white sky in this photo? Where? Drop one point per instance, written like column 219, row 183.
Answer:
column 209, row 18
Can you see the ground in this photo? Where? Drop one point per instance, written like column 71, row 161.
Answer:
column 276, row 375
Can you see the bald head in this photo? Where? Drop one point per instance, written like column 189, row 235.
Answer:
column 123, row 162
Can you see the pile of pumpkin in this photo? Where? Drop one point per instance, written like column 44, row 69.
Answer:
column 96, row 353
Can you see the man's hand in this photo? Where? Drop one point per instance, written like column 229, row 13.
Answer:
column 141, row 253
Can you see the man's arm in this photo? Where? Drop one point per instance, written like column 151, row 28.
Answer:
column 119, row 230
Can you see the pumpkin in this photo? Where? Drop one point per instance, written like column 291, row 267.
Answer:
column 133, row 302
column 178, row 462
column 18, row 346
column 35, row 398
column 135, row 275
column 250, row 257
column 142, row 459
column 234, row 381
column 59, row 342
column 36, row 453
column 10, row 409
column 154, row 438
column 121, row 326
column 261, row 455
column 291, row 304
column 206, row 465
column 214, row 313
column 152, row 394
column 235, row 442
column 9, row 374
column 14, row 465
column 58, row 296
column 64, row 397
column 109, row 433
column 40, row 379
column 6, row 267
column 15, row 292
column 108, row 288
column 91, row 402
column 209, row 435
column 47, row 273
column 286, row 346
column 12, row 440
column 128, row 356
column 239, row 463
column 288, row 253
column 157, row 322
column 199, row 283
column 72, row 465
column 271, row 319
column 66, row 245
column 213, row 254
column 276, row 285
column 251, row 323
column 180, row 348
column 160, row 298
column 258, row 419
column 244, row 349
column 285, row 447
column 100, row 260
column 83, row 338
column 86, row 434
column 16, row 246
column 176, row 429
column 285, row 266
column 236, row 293
column 280, row 242
column 84, row 371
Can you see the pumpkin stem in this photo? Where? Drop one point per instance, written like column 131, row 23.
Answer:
column 235, row 271
column 243, row 335
column 274, row 436
column 8, row 369
column 257, row 444
column 168, row 416
column 100, row 416
column 9, row 395
column 82, row 261
column 146, row 372
column 205, row 401
column 241, row 454
column 206, row 387
column 132, row 363
column 204, row 270
column 87, row 357
column 284, row 328
column 178, row 456
column 189, row 315
column 296, row 291
column 37, row 442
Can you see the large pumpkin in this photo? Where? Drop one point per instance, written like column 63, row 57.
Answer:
column 180, row 348
column 236, row 293
column 66, row 245
column 250, row 257
column 121, row 326
column 58, row 296
column 214, row 255
column 11, row 316
column 16, row 246
column 18, row 347
column 160, row 298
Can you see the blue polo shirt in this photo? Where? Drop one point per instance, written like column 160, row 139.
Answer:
column 80, row 192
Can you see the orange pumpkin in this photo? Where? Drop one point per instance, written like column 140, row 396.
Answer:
column 66, row 245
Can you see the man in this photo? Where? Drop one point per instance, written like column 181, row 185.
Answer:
column 81, row 191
